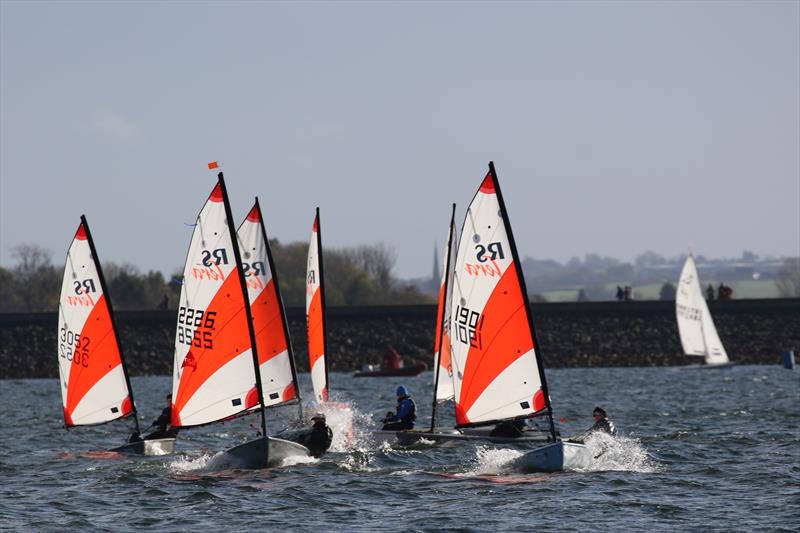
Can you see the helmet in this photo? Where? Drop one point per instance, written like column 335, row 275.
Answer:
column 599, row 411
column 402, row 391
column 318, row 416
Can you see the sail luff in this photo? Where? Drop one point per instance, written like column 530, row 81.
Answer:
column 243, row 285
column 689, row 310
column 442, row 317
column 284, row 321
column 107, row 295
column 523, row 287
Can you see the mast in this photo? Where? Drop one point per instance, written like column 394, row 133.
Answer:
column 441, row 318
column 274, row 274
column 243, row 284
column 521, row 278
column 104, row 287
column 322, row 301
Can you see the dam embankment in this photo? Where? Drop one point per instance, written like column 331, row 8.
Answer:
column 579, row 334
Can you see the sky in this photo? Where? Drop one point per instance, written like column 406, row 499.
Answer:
column 615, row 127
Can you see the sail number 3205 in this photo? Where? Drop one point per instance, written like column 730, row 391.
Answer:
column 196, row 327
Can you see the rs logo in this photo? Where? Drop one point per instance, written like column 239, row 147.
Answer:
column 256, row 268
column 84, row 287
column 493, row 251
column 216, row 257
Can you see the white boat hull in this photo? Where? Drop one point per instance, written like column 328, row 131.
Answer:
column 148, row 447
column 253, row 454
column 556, row 457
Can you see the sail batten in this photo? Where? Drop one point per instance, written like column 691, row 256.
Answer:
column 315, row 314
column 497, row 372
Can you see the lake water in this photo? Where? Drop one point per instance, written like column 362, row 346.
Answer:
column 711, row 450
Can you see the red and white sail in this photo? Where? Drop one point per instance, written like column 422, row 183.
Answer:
column 94, row 388
column 496, row 374
column 442, row 362
column 315, row 315
column 213, row 375
column 272, row 339
column 695, row 325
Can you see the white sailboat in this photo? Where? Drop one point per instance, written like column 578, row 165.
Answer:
column 216, row 372
column 315, row 314
column 95, row 385
column 696, row 328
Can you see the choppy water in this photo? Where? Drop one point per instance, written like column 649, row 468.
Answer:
column 699, row 450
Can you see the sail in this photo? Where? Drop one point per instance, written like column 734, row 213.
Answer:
column 94, row 387
column 695, row 325
column 213, row 374
column 441, row 353
column 315, row 314
column 269, row 321
column 496, row 372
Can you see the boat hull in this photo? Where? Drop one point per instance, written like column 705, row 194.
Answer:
column 719, row 366
column 556, row 457
column 253, row 454
column 405, row 371
column 453, row 435
column 147, row 447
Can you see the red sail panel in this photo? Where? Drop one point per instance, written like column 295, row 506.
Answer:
column 97, row 355
column 230, row 337
column 505, row 337
column 268, row 324
column 316, row 338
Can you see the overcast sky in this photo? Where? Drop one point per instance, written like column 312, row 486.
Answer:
column 615, row 127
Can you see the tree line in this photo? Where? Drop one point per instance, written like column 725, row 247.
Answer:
column 359, row 275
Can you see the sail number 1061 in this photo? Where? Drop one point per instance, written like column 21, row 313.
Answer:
column 196, row 327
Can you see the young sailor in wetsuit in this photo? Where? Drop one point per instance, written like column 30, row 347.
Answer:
column 601, row 423
column 405, row 415
column 317, row 439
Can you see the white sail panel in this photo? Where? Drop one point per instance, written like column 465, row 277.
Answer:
column 494, row 362
column 315, row 316
column 93, row 385
column 213, row 334
column 272, row 343
column 695, row 325
column 442, row 358
column 689, row 309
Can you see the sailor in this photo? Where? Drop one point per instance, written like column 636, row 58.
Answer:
column 405, row 415
column 162, row 423
column 511, row 429
column 601, row 424
column 318, row 438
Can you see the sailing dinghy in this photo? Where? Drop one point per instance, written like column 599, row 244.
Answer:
column 95, row 385
column 696, row 328
column 498, row 375
column 315, row 314
column 216, row 373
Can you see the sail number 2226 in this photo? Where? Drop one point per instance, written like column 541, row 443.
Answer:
column 196, row 327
